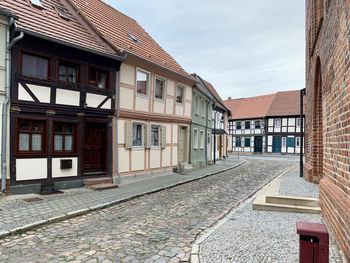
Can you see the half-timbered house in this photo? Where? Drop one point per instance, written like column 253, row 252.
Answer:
column 268, row 123
column 63, row 91
column 154, row 111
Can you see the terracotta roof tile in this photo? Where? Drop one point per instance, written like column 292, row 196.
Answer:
column 125, row 33
column 250, row 108
column 286, row 103
column 48, row 23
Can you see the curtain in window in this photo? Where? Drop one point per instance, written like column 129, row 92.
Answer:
column 68, row 143
column 58, row 142
column 36, row 142
column 24, row 142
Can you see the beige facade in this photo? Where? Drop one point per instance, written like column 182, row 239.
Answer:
column 153, row 127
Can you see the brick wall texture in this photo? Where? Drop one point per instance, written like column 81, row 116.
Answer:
column 327, row 124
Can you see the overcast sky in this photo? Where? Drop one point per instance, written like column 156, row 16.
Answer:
column 244, row 48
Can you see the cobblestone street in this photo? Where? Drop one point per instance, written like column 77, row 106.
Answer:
column 159, row 227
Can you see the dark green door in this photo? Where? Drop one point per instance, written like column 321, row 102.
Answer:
column 258, row 144
column 276, row 144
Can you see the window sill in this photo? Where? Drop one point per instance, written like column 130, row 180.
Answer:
column 145, row 96
column 159, row 100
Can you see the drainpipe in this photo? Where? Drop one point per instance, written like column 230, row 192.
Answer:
column 215, row 136
column 302, row 93
column 5, row 105
column 116, row 130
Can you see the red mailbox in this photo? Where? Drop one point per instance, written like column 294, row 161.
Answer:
column 313, row 243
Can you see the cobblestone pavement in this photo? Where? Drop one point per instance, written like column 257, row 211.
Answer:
column 263, row 236
column 16, row 213
column 159, row 227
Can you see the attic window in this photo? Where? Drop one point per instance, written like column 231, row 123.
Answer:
column 62, row 13
column 133, row 38
column 37, row 3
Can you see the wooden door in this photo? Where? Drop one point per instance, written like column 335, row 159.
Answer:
column 258, row 144
column 94, row 148
column 276, row 144
column 221, row 146
column 182, row 144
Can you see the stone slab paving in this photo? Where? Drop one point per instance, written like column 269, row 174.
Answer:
column 159, row 227
column 246, row 235
column 15, row 213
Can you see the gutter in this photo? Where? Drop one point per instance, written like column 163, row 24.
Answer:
column 6, row 104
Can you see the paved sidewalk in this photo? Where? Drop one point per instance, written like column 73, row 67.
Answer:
column 246, row 235
column 16, row 214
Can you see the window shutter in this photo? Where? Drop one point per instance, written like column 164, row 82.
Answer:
column 148, row 135
column 163, row 141
column 128, row 134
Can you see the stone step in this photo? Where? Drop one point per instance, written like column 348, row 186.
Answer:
column 104, row 186
column 292, row 200
column 100, row 180
column 286, row 208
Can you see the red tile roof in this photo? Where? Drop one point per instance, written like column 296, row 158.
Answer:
column 250, row 108
column 286, row 103
column 120, row 30
column 46, row 22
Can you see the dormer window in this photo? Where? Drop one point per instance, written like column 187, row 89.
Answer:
column 62, row 13
column 98, row 78
column 133, row 38
column 37, row 3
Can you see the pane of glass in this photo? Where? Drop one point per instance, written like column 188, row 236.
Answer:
column 103, row 80
column 142, row 82
column 36, row 142
column 37, row 126
column 159, row 89
column 23, row 142
column 72, row 75
column 34, row 67
column 155, row 135
column 68, row 128
column 59, row 127
column 24, row 125
column 137, row 134
column 58, row 142
column 62, row 75
column 68, row 143
column 179, row 94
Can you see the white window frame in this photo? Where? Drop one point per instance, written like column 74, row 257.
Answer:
column 142, row 135
column 148, row 82
column 164, row 89
column 195, row 139
column 179, row 85
column 159, row 136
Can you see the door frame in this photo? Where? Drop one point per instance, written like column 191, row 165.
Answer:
column 108, row 146
column 186, row 146
column 261, row 138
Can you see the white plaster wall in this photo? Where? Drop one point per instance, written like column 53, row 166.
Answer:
column 175, row 133
column 284, row 122
column 290, row 149
column 171, row 88
column 31, row 169
column 269, row 140
column 127, row 74
column 168, row 133
column 277, row 129
column 126, row 98
column 284, row 129
column 142, row 103
column 57, row 172
column 291, row 121
column 137, row 159
column 188, row 93
column 159, row 107
column 41, row 92
column 269, row 149
column 291, row 129
column 23, row 94
column 169, row 106
column 174, row 152
column 270, row 122
column 155, row 158
column 188, row 109
column 123, row 160
column 270, row 129
column 179, row 109
column 93, row 100
column 67, row 97
column 121, row 131
column 166, row 156
column 3, row 22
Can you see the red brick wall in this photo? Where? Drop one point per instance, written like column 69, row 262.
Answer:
column 327, row 124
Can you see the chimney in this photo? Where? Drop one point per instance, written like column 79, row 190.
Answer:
column 229, row 98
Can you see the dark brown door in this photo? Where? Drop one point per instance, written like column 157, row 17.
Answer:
column 94, row 148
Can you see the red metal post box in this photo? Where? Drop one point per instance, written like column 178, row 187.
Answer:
column 313, row 243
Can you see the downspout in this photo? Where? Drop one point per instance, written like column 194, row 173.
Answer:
column 302, row 93
column 116, row 130
column 5, row 105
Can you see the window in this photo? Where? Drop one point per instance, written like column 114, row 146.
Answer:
column 137, row 129
column 37, row 3
column 62, row 13
column 284, row 142
column 201, row 139
column 98, row 78
column 155, row 135
column 196, row 104
column 159, row 89
column 64, row 137
column 298, row 122
column 238, row 125
column 278, row 123
column 35, row 67
column 290, row 142
column 247, row 125
column 142, row 82
column 31, row 136
column 180, row 94
column 203, row 108
column 297, row 141
column 257, row 125
column 67, row 73
column 195, row 139
column 238, row 142
column 246, row 142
